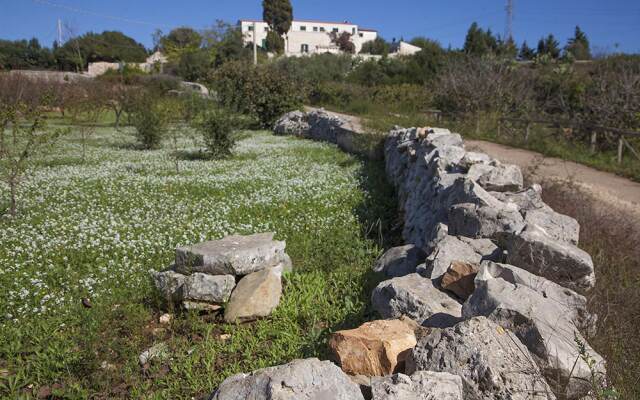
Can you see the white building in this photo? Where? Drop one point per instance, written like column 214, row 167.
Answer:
column 307, row 37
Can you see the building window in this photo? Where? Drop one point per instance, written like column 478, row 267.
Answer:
column 303, row 28
column 353, row 31
column 361, row 34
column 322, row 29
column 304, row 48
column 250, row 28
column 335, row 30
column 315, row 29
column 266, row 29
column 264, row 43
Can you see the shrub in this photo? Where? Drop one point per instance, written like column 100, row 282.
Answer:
column 149, row 121
column 217, row 128
column 263, row 92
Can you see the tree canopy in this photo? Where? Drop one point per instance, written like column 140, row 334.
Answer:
column 377, row 46
column 108, row 46
column 578, row 46
column 549, row 46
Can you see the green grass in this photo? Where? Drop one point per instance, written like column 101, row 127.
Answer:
column 96, row 229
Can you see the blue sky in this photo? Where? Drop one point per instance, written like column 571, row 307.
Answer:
column 608, row 23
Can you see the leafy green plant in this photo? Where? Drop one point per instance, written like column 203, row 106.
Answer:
column 149, row 121
column 217, row 128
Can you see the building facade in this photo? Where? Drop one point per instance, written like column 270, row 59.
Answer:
column 307, row 37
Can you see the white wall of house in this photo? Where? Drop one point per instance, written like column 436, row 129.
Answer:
column 308, row 37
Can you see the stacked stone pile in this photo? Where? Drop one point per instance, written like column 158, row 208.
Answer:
column 485, row 300
column 240, row 273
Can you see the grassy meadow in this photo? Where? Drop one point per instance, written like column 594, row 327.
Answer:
column 96, row 229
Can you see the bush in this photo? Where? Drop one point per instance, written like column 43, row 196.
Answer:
column 263, row 92
column 149, row 121
column 217, row 128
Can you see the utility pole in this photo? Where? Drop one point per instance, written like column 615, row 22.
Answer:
column 59, row 32
column 255, row 44
column 508, row 34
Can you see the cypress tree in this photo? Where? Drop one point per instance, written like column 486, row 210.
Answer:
column 279, row 15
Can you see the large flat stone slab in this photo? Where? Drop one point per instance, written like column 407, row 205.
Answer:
column 233, row 255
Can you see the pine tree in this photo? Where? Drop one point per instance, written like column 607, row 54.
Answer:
column 526, row 52
column 279, row 15
column 549, row 46
column 475, row 43
column 578, row 46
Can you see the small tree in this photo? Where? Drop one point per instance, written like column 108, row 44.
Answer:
column 578, row 46
column 549, row 47
column 526, row 52
column 217, row 128
column 378, row 46
column 279, row 15
column 343, row 41
column 85, row 109
column 149, row 121
column 23, row 131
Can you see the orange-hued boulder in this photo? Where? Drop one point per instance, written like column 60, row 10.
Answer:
column 376, row 348
column 459, row 278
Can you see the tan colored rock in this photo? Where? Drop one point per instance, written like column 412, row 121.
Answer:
column 459, row 278
column 376, row 348
column 255, row 296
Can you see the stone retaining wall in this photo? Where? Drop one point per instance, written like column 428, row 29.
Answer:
column 493, row 271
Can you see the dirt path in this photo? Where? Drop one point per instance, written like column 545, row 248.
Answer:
column 608, row 188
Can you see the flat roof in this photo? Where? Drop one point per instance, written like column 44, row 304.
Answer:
column 311, row 21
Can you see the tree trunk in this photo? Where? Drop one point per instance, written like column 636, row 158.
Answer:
column 118, row 114
column 13, row 183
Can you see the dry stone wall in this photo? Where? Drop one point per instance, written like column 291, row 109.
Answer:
column 493, row 272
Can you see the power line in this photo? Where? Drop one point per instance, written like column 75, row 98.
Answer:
column 96, row 14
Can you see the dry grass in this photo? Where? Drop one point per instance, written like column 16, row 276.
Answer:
column 613, row 240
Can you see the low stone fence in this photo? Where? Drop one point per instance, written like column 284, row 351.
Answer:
column 484, row 300
column 322, row 126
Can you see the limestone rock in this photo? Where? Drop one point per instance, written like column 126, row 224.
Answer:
column 208, row 288
column 417, row 298
column 255, row 296
column 541, row 315
column 472, row 158
column 438, row 137
column 575, row 305
column 555, row 225
column 158, row 351
column 452, row 248
column 400, row 261
column 169, row 283
column 300, row 379
column 474, row 221
column 293, row 123
column 459, row 279
column 498, row 178
column 375, row 348
column 422, row 385
column 491, row 361
column 233, row 255
column 560, row 262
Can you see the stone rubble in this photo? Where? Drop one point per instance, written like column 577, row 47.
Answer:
column 204, row 276
column 473, row 231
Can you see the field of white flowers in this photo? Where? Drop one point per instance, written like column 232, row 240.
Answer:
column 96, row 229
